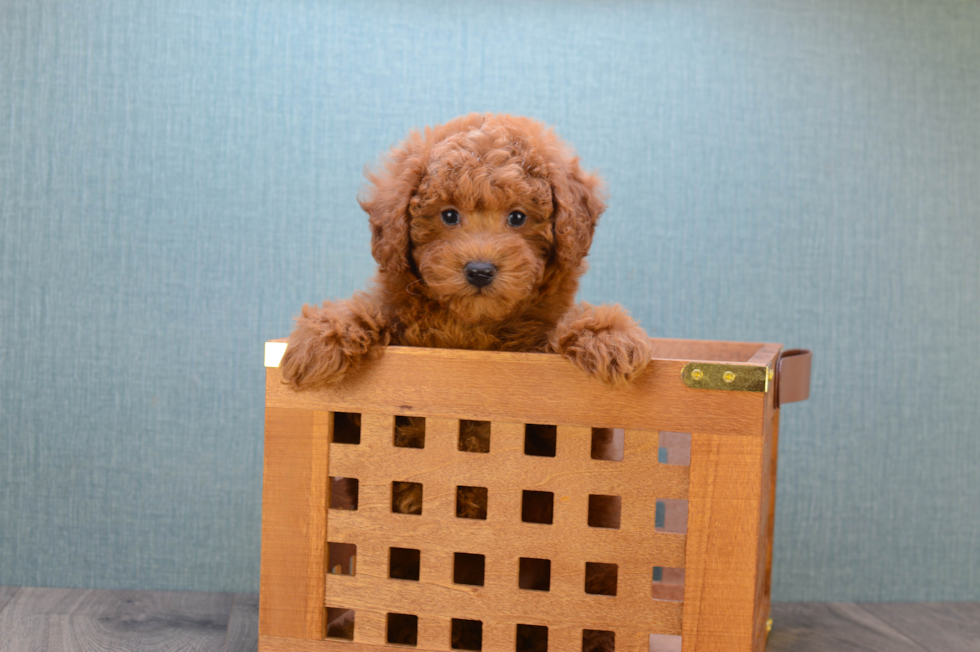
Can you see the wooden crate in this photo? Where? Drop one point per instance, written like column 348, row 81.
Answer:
column 726, row 487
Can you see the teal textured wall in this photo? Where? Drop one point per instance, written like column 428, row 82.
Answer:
column 177, row 178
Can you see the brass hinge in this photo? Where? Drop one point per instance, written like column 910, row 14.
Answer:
column 733, row 377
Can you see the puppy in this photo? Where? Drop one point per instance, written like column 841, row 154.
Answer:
column 480, row 228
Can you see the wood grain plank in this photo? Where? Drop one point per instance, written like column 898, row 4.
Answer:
column 6, row 593
column 765, row 354
column 243, row 624
column 707, row 350
column 526, row 388
column 511, row 605
column 946, row 626
column 843, row 627
column 725, row 518
column 38, row 620
column 678, row 349
column 767, row 511
column 282, row 644
column 294, row 523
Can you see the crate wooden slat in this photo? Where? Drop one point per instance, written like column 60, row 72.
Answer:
column 729, row 488
column 515, row 387
column 294, row 523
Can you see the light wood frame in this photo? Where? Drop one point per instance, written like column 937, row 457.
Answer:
column 729, row 485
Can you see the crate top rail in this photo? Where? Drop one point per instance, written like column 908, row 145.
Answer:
column 494, row 385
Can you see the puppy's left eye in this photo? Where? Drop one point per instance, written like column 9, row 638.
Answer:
column 516, row 218
column 450, row 216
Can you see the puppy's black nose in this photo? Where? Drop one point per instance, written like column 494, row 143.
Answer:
column 479, row 274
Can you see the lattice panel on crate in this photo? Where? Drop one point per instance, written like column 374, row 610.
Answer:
column 435, row 575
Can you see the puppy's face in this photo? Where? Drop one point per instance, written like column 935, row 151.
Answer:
column 481, row 234
column 486, row 214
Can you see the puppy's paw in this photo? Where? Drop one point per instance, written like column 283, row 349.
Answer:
column 603, row 341
column 330, row 341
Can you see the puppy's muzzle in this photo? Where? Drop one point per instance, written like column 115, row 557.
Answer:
column 479, row 274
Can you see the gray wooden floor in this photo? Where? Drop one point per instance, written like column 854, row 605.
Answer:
column 37, row 620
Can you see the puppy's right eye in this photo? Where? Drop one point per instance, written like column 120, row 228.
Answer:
column 450, row 217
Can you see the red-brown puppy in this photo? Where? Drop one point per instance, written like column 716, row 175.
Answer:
column 480, row 228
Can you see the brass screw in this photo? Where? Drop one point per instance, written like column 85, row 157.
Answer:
column 728, row 377
column 697, row 374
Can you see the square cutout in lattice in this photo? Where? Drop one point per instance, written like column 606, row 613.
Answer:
column 343, row 493
column 605, row 511
column 668, row 584
column 532, row 638
column 468, row 568
column 540, row 440
column 674, row 448
column 598, row 640
column 406, row 497
column 341, row 558
column 665, row 643
column 340, row 623
column 346, row 428
column 601, row 579
column 671, row 516
column 471, row 502
column 474, row 436
column 404, row 563
column 534, row 574
column 409, row 432
column 466, row 634
column 608, row 444
column 538, row 507
column 403, row 629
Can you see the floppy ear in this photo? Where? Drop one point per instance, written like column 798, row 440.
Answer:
column 386, row 201
column 578, row 199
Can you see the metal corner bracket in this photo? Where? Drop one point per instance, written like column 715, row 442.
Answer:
column 732, row 377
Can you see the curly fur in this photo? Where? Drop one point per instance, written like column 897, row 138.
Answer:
column 484, row 166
